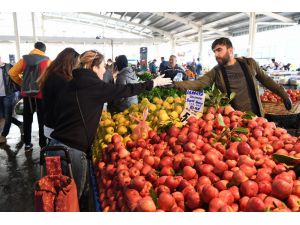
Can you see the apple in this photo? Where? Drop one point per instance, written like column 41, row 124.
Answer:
column 146, row 204
column 166, row 201
column 249, row 188
column 188, row 172
column 208, row 193
column 244, row 148
column 192, row 200
column 255, row 204
column 215, row 205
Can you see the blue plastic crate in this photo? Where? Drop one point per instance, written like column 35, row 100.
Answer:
column 94, row 188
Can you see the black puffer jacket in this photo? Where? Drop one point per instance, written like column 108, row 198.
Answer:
column 92, row 94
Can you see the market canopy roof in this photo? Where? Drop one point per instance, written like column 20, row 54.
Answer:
column 183, row 26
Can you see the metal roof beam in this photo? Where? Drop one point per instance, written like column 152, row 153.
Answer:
column 190, row 23
column 278, row 17
column 229, row 18
column 122, row 16
column 277, row 23
column 156, row 22
column 167, row 34
column 88, row 22
column 169, row 24
column 185, row 21
column 53, row 39
column 136, row 15
column 147, row 18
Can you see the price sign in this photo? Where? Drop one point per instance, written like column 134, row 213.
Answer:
column 194, row 104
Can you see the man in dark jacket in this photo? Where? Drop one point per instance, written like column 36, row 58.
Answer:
column 239, row 75
column 163, row 65
column 125, row 76
column 8, row 93
column 153, row 67
column 173, row 71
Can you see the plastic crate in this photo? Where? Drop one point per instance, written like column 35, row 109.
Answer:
column 291, row 121
column 94, row 188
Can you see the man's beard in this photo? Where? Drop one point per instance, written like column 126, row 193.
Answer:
column 223, row 61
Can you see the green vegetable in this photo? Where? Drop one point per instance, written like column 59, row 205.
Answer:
column 160, row 92
column 214, row 97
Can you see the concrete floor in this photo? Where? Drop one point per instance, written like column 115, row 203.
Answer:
column 18, row 173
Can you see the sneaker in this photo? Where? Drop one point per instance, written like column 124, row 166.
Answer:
column 28, row 148
column 21, row 127
column 2, row 139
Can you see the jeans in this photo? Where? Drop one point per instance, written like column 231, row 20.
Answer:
column 79, row 165
column 30, row 106
column 7, row 103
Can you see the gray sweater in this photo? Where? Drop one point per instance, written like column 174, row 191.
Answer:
column 126, row 76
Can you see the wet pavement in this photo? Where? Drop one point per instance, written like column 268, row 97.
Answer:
column 18, row 173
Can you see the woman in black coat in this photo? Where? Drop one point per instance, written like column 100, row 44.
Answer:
column 79, row 107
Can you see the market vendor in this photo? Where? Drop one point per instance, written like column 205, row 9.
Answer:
column 239, row 75
column 173, row 71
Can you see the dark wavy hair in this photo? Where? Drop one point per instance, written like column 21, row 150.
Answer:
column 221, row 41
column 121, row 62
column 62, row 65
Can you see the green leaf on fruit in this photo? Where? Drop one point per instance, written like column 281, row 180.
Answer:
column 224, row 142
column 172, row 171
column 154, row 196
column 238, row 139
column 213, row 133
column 268, row 209
column 158, row 172
column 241, row 130
column 225, row 132
column 297, row 170
column 220, row 120
column 229, row 184
column 179, row 173
column 249, row 115
column 232, row 95
column 289, row 160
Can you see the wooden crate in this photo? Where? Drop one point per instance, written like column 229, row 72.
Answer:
column 273, row 108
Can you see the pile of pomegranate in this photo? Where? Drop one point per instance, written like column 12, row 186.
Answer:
column 201, row 168
column 268, row 96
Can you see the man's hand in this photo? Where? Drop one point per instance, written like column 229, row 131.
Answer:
column 287, row 103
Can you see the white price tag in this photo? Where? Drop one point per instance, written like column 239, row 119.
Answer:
column 194, row 104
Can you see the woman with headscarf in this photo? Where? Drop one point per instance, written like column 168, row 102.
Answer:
column 126, row 75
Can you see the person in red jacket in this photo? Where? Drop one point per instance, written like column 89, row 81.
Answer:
column 32, row 101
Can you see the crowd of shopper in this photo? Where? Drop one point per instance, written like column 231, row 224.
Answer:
column 68, row 95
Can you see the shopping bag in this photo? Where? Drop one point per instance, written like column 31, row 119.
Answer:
column 55, row 192
column 141, row 130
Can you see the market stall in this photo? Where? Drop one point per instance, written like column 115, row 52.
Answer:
column 220, row 160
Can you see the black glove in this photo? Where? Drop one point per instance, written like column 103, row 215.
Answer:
column 287, row 103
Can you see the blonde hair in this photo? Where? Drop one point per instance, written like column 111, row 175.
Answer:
column 89, row 59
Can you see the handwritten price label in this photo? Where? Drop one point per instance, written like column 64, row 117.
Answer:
column 194, row 104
